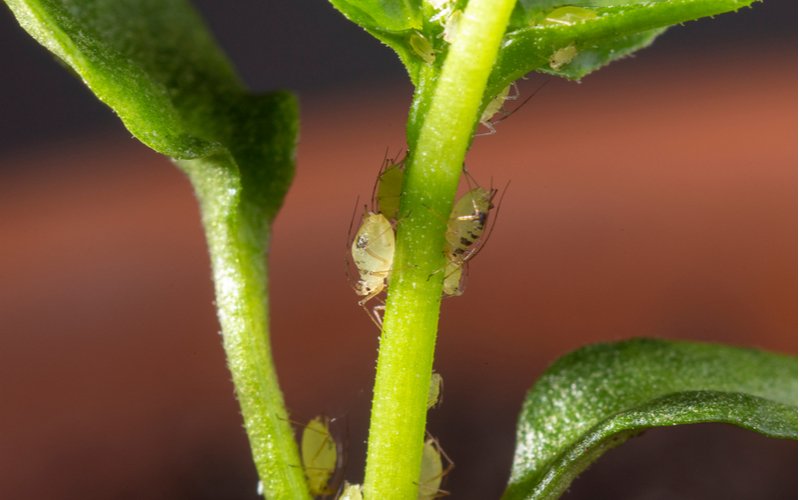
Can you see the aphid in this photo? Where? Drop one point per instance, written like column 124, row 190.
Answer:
column 422, row 47
column 563, row 56
column 319, row 454
column 433, row 471
column 387, row 191
column 373, row 255
column 467, row 223
column 451, row 23
column 568, row 15
column 495, row 106
column 435, row 391
column 351, row 492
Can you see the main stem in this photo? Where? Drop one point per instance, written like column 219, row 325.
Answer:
column 237, row 235
column 433, row 169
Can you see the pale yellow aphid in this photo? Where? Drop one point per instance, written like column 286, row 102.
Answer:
column 432, row 471
column 451, row 23
column 435, row 390
column 563, row 56
column 373, row 255
column 319, row 455
column 422, row 47
column 387, row 195
column 467, row 223
column 568, row 15
column 351, row 492
column 496, row 106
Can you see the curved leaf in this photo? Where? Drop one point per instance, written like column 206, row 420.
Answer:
column 607, row 30
column 595, row 398
column 567, row 38
column 157, row 66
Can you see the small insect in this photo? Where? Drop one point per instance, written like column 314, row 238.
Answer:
column 422, row 47
column 496, row 106
column 319, row 454
column 568, row 15
column 435, row 391
column 563, row 56
column 388, row 187
column 467, row 223
column 351, row 492
column 373, row 255
column 433, row 470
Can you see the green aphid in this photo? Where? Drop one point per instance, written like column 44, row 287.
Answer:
column 568, row 15
column 422, row 47
column 390, row 182
column 320, row 455
column 435, row 390
column 432, row 471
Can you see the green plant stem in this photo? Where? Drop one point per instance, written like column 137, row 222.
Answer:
column 433, row 169
column 237, row 233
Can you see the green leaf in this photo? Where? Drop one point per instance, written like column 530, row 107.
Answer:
column 596, row 31
column 567, row 38
column 393, row 22
column 157, row 66
column 595, row 398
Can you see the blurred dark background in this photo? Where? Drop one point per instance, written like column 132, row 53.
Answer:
column 656, row 198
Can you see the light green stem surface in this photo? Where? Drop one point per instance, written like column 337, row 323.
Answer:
column 433, row 169
column 237, row 234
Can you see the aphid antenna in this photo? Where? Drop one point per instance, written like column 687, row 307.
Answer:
column 347, row 244
column 508, row 114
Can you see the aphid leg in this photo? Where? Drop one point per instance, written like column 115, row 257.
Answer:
column 379, row 315
column 490, row 128
column 373, row 314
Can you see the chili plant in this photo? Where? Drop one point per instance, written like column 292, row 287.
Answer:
column 156, row 65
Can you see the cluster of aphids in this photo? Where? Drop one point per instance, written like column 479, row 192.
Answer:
column 323, row 459
column 374, row 243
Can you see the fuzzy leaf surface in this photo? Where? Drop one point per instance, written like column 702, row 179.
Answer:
column 596, row 397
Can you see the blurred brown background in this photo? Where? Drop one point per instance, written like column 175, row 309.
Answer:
column 657, row 198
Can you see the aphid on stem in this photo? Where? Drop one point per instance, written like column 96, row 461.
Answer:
column 322, row 457
column 373, row 255
column 495, row 106
column 433, row 470
column 435, row 391
column 388, row 184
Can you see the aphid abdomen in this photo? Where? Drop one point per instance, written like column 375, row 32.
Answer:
column 467, row 223
column 319, row 454
column 373, row 246
column 373, row 255
column 387, row 198
column 453, row 278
